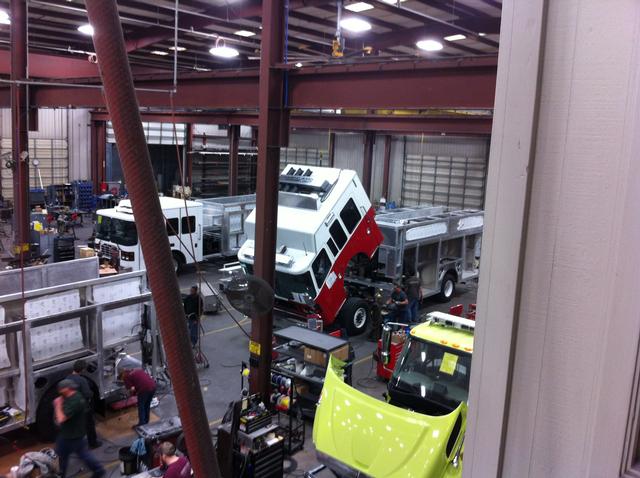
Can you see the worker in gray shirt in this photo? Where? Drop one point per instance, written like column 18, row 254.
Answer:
column 85, row 390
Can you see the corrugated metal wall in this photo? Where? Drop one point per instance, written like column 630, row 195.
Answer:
column 69, row 134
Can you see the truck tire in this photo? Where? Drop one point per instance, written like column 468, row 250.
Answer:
column 46, row 428
column 354, row 316
column 178, row 263
column 447, row 288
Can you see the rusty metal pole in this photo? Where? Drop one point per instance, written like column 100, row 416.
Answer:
column 234, row 144
column 386, row 167
column 367, row 165
column 332, row 149
column 273, row 116
column 19, row 127
column 123, row 107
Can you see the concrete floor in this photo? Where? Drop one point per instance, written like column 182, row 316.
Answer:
column 225, row 346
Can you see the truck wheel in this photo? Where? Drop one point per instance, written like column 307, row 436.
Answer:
column 354, row 316
column 46, row 428
column 178, row 263
column 447, row 288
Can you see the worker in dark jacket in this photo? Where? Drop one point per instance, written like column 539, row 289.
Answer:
column 193, row 307
column 85, row 390
column 399, row 301
column 140, row 383
column 70, row 411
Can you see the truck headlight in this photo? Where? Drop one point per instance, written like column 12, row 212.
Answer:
column 127, row 256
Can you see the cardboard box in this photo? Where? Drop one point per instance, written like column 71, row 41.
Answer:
column 84, row 251
column 319, row 358
column 314, row 356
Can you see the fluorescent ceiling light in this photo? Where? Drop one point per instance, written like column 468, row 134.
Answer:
column 359, row 7
column 356, row 25
column 244, row 33
column 429, row 45
column 86, row 29
column 177, row 48
column 482, row 34
column 393, row 2
column 159, row 53
column 298, row 65
column 4, row 18
column 224, row 51
column 455, row 37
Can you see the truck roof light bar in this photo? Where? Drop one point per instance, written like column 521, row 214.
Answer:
column 451, row 321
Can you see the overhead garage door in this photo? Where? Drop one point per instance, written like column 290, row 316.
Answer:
column 53, row 167
column 447, row 172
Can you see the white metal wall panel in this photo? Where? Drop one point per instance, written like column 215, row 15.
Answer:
column 5, row 123
column 395, row 170
column 309, row 139
column 79, row 143
column 53, row 167
column 349, row 149
column 155, row 133
column 445, row 171
column 377, row 169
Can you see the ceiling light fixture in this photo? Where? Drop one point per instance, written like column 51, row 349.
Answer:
column 86, row 29
column 244, row 33
column 159, row 52
column 356, row 25
column 393, row 2
column 482, row 34
column 456, row 37
column 429, row 45
column 298, row 65
column 359, row 7
column 222, row 50
column 177, row 48
column 4, row 18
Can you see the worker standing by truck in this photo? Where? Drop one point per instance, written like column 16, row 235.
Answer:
column 400, row 302
column 70, row 411
column 193, row 307
column 414, row 294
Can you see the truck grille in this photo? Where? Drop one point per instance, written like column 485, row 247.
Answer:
column 105, row 250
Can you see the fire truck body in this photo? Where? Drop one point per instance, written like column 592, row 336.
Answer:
column 439, row 244
column 334, row 253
column 325, row 219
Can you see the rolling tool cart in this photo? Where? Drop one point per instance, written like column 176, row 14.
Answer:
column 303, row 357
column 249, row 444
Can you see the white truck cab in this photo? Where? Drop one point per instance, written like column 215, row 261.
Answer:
column 117, row 236
column 325, row 219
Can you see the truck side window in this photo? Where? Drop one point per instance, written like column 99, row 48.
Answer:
column 350, row 215
column 333, row 247
column 337, row 233
column 321, row 267
column 172, row 227
column 188, row 225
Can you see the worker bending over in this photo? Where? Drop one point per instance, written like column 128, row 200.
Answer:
column 400, row 301
column 140, row 383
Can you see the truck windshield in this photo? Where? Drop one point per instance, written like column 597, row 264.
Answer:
column 431, row 378
column 295, row 287
column 118, row 231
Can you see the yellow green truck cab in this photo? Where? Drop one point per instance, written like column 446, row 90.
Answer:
column 420, row 432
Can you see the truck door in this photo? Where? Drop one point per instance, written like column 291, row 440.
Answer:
column 189, row 235
column 173, row 231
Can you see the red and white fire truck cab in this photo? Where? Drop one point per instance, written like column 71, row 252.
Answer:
column 325, row 219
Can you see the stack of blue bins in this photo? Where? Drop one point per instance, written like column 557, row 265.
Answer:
column 84, row 198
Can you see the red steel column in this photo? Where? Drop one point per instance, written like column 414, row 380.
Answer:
column 386, row 166
column 19, row 127
column 188, row 147
column 234, row 144
column 369, row 141
column 332, row 149
column 123, row 108
column 272, row 118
